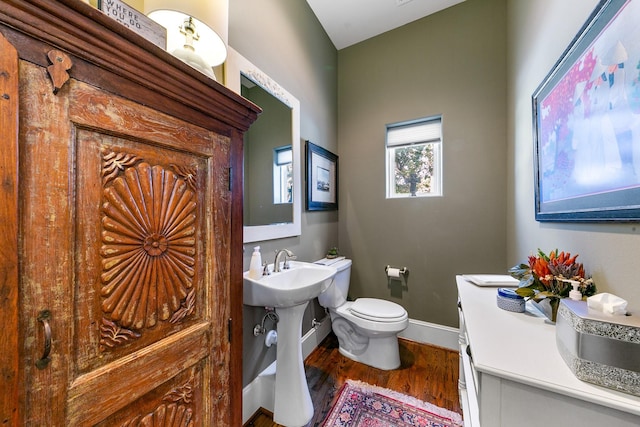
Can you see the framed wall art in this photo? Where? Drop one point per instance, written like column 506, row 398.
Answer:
column 322, row 179
column 586, row 118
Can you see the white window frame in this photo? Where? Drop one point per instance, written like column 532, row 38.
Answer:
column 282, row 169
column 414, row 133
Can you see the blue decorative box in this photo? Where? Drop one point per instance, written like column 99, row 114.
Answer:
column 509, row 300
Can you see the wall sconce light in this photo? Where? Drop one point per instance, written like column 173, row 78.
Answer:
column 197, row 30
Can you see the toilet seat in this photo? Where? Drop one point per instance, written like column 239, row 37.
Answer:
column 378, row 310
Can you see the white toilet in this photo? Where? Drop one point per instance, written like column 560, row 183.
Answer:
column 367, row 328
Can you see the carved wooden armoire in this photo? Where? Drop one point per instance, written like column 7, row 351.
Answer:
column 120, row 227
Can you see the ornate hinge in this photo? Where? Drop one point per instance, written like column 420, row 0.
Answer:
column 60, row 63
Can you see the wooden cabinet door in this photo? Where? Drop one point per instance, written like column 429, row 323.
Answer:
column 124, row 261
column 9, row 276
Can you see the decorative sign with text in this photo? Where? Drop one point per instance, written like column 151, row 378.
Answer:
column 135, row 20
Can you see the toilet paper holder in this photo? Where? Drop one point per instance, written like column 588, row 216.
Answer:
column 395, row 274
column 403, row 272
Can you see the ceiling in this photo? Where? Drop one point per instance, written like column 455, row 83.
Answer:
column 348, row 22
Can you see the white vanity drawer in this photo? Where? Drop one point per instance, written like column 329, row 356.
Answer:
column 468, row 382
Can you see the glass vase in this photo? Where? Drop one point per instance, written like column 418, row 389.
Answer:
column 548, row 307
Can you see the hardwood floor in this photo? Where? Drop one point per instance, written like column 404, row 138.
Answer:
column 428, row 373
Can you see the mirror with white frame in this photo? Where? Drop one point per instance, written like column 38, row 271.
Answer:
column 272, row 170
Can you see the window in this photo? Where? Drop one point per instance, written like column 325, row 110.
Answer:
column 282, row 175
column 414, row 158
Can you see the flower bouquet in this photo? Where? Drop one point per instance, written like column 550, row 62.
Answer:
column 547, row 278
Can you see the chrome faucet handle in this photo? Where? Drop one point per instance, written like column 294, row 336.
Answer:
column 265, row 269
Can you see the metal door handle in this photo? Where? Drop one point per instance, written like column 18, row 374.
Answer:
column 44, row 317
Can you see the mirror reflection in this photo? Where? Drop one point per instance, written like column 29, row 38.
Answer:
column 272, row 160
column 268, row 160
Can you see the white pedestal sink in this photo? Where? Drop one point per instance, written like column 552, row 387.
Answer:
column 289, row 291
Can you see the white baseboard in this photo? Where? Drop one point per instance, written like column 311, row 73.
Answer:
column 315, row 336
column 431, row 333
column 259, row 393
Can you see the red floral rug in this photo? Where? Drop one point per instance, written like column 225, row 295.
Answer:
column 363, row 405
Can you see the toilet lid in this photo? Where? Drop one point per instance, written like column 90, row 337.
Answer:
column 377, row 309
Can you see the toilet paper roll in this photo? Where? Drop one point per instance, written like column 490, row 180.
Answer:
column 393, row 272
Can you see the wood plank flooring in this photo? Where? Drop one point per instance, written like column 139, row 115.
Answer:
column 428, row 373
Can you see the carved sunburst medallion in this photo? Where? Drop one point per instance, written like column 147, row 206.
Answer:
column 156, row 244
column 148, row 245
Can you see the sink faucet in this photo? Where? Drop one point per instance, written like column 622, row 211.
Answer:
column 285, row 265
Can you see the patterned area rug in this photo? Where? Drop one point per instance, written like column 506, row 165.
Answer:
column 362, row 405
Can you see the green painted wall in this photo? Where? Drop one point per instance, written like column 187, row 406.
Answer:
column 451, row 63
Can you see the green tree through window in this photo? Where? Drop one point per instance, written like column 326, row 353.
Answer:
column 414, row 168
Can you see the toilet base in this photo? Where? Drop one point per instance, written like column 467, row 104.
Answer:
column 379, row 351
column 382, row 353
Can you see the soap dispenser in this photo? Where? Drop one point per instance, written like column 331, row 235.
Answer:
column 575, row 294
column 255, row 267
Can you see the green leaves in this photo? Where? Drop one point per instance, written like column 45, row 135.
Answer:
column 525, row 292
column 545, row 294
column 520, row 271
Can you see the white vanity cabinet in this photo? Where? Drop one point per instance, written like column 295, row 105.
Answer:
column 512, row 375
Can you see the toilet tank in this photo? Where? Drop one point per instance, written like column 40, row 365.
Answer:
column 336, row 293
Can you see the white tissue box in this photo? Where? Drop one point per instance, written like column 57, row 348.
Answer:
column 607, row 303
column 599, row 348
